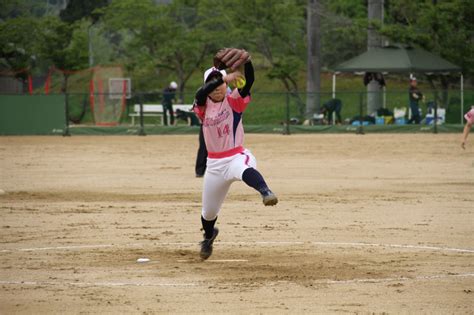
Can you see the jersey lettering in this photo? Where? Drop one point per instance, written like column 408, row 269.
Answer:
column 224, row 131
column 222, row 123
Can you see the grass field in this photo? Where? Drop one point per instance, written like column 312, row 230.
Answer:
column 365, row 224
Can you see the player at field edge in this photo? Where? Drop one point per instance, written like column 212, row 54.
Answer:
column 415, row 96
column 467, row 128
column 169, row 95
column 228, row 161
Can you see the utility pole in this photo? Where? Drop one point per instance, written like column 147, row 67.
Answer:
column 91, row 51
column 374, row 40
column 313, row 67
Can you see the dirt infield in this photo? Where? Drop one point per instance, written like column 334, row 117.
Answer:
column 365, row 224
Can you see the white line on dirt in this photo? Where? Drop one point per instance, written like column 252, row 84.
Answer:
column 435, row 248
column 401, row 279
column 259, row 243
column 64, row 247
column 98, row 284
column 195, row 284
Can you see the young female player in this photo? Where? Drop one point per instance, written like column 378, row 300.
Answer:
column 228, row 161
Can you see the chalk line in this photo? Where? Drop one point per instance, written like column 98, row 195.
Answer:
column 200, row 284
column 98, row 284
column 434, row 248
column 257, row 243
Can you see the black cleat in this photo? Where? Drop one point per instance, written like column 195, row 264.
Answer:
column 206, row 245
column 269, row 198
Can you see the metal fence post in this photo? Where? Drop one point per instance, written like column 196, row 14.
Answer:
column 287, row 131
column 141, row 131
column 360, row 129
column 66, row 132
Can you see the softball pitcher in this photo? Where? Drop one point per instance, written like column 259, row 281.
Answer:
column 228, row 161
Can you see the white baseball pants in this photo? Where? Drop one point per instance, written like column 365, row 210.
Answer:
column 220, row 174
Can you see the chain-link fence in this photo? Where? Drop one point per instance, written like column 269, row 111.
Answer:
column 280, row 110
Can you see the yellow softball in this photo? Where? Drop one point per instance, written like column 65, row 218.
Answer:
column 239, row 82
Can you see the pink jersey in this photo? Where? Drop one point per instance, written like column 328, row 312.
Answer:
column 222, row 125
column 470, row 116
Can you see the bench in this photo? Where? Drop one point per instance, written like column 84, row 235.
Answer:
column 155, row 110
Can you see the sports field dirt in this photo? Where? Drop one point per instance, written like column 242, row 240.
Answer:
column 365, row 224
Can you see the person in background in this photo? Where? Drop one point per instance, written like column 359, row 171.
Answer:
column 332, row 106
column 415, row 96
column 169, row 96
column 201, row 158
column 467, row 128
column 189, row 117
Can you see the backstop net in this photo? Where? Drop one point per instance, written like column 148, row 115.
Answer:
column 108, row 93
column 102, row 89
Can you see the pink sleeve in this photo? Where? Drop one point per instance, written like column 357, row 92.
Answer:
column 200, row 111
column 236, row 102
column 470, row 116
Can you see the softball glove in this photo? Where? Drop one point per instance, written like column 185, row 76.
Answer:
column 230, row 58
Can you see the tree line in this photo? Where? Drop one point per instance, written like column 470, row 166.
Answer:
column 177, row 39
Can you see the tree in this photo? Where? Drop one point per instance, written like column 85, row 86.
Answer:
column 164, row 36
column 272, row 30
column 79, row 9
column 343, row 30
column 313, row 59
column 63, row 44
column 430, row 24
column 21, row 9
column 18, row 46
